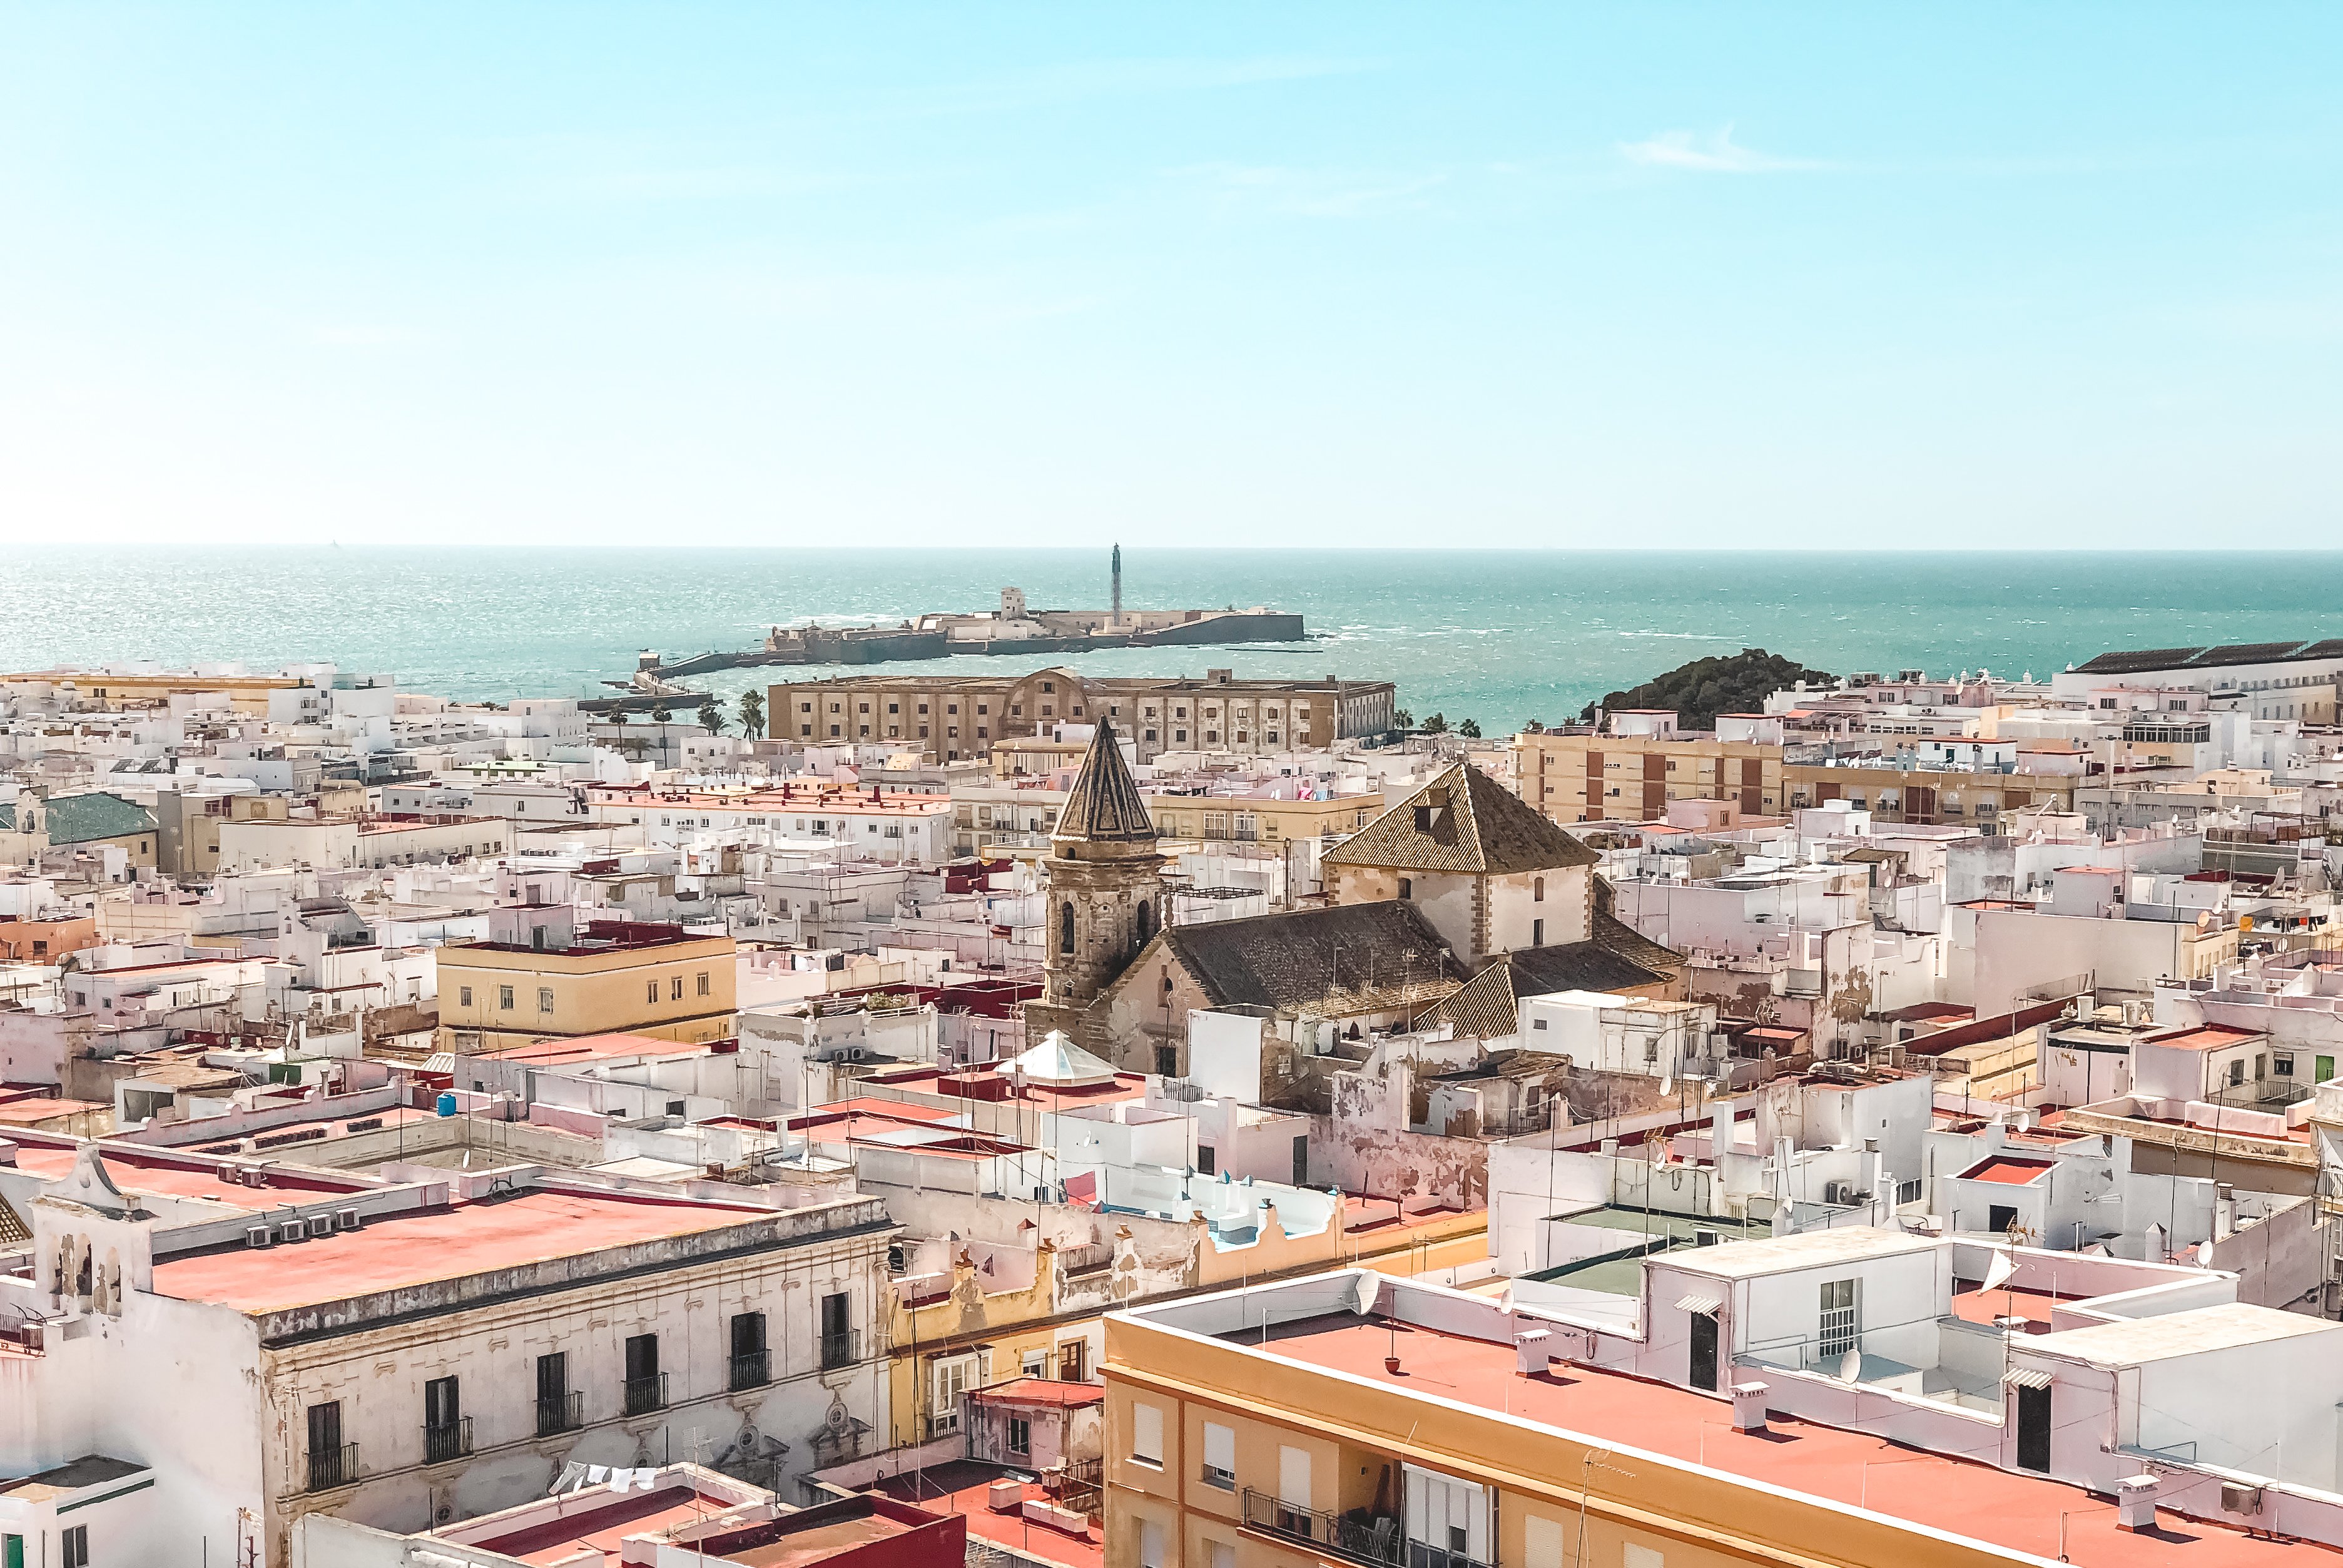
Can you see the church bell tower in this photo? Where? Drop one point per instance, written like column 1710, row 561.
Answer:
column 1105, row 886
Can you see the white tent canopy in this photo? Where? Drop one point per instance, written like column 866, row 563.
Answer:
column 1057, row 1063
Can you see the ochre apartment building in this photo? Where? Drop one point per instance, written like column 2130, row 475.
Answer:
column 1585, row 776
column 1266, row 1428
column 614, row 978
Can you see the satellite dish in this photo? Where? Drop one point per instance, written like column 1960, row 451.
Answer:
column 1850, row 1367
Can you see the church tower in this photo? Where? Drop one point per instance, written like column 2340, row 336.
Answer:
column 1105, row 886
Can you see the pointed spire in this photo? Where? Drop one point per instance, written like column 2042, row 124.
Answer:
column 1105, row 805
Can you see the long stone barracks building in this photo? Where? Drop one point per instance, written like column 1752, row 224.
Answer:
column 951, row 717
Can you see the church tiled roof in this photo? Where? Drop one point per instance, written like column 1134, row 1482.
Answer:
column 1104, row 805
column 1462, row 820
column 1344, row 959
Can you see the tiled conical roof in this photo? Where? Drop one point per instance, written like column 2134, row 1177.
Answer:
column 1105, row 807
column 1462, row 820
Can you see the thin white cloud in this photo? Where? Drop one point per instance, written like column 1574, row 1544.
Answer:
column 1715, row 153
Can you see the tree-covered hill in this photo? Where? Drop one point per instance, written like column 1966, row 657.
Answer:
column 1706, row 687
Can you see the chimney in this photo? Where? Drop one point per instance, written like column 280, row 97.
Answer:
column 1749, row 1406
column 2135, row 1502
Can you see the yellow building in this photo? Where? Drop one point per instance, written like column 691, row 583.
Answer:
column 1248, row 820
column 1582, row 777
column 958, row 1334
column 1265, row 1429
column 613, row 977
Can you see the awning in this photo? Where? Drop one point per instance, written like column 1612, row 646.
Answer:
column 2026, row 1377
column 1705, row 1306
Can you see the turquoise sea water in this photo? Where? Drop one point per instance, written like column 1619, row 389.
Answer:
column 1498, row 635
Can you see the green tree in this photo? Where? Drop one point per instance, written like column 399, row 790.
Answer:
column 710, row 717
column 1403, row 719
column 1436, row 725
column 1701, row 689
column 1470, row 729
column 661, row 712
column 752, row 713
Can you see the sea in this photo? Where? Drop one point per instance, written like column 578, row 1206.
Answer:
column 1501, row 638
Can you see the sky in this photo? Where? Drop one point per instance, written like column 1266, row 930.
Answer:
column 1214, row 276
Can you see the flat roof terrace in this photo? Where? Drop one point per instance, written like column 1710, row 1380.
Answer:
column 427, row 1246
column 1853, row 1469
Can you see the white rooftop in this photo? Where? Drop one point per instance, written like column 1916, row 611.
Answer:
column 2201, row 1329
column 1783, row 1254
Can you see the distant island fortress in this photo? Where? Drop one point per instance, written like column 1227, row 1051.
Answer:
column 1014, row 628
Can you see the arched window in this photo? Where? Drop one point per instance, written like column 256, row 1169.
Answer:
column 1146, row 926
column 1066, row 927
column 1537, row 891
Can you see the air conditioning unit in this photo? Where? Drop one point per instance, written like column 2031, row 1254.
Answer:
column 259, row 1235
column 320, row 1224
column 348, row 1219
column 1838, row 1191
column 2238, row 1498
column 294, row 1231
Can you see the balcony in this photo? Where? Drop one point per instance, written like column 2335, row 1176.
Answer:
column 332, row 1467
column 646, row 1394
column 1357, row 1537
column 840, row 1348
column 1424, row 1554
column 557, row 1412
column 449, row 1440
column 751, row 1369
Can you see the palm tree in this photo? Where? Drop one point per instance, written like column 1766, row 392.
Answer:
column 661, row 712
column 1470, row 729
column 1436, row 725
column 752, row 713
column 711, row 718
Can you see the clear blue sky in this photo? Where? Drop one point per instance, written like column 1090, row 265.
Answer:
column 1873, row 276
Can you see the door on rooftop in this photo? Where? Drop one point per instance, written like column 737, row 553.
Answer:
column 2000, row 1217
column 2326, row 1065
column 1302, row 1163
column 2033, row 1428
column 1703, row 1351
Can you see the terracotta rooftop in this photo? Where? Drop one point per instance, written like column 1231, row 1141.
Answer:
column 2017, row 1513
column 425, row 1246
column 1462, row 820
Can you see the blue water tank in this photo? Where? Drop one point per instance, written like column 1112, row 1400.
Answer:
column 446, row 1105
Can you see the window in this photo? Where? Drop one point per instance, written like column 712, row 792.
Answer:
column 1220, row 1456
column 1220, row 1555
column 1293, row 1491
column 2238, row 1071
column 1066, row 927
column 556, row 1408
column 331, row 1463
column 1634, row 1556
column 952, row 1379
column 837, row 1332
column 1151, row 1545
column 1407, row 887
column 1841, row 1326
column 545, row 998
column 1147, row 1433
column 1206, row 1162
column 703, row 982
column 2282, row 1064
column 76, row 1546
column 1447, row 1519
column 646, row 1389
column 505, row 998
column 1033, row 1364
column 650, row 990
column 1020, row 1437
column 444, row 1437
column 1537, row 891
column 1541, row 1541
column 751, row 1362
column 464, row 996
column 1537, row 933
column 675, row 988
